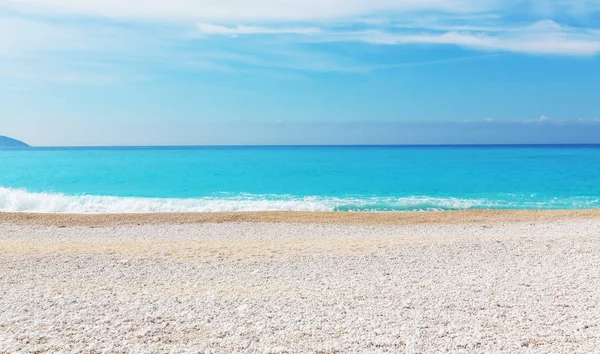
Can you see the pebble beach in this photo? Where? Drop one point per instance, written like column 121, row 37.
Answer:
column 488, row 282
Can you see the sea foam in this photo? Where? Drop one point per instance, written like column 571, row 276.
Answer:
column 17, row 200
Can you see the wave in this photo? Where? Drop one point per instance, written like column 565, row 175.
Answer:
column 17, row 200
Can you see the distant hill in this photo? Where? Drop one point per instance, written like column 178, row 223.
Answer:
column 6, row 142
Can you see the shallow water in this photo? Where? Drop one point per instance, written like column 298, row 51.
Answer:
column 386, row 178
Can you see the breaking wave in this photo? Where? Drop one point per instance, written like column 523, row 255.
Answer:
column 17, row 200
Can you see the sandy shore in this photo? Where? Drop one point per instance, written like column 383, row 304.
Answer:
column 412, row 218
column 443, row 282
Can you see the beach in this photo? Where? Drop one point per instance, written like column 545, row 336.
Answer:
column 277, row 282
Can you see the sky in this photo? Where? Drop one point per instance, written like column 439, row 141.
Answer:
column 237, row 72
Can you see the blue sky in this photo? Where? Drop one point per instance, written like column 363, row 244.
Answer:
column 146, row 72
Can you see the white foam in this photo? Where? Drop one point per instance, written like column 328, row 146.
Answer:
column 15, row 200
column 12, row 200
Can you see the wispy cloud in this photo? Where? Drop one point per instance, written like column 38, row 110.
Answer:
column 293, row 10
column 42, row 50
column 18, row 35
column 210, row 29
column 541, row 120
column 242, row 10
column 233, row 35
column 64, row 52
column 542, row 37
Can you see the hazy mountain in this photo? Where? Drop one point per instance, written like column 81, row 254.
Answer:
column 6, row 142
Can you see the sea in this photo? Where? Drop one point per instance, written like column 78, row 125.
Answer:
column 291, row 178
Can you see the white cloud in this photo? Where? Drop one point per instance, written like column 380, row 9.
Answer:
column 232, row 11
column 47, row 51
column 543, row 37
column 210, row 29
column 473, row 24
column 17, row 35
column 172, row 33
column 241, row 10
column 542, row 120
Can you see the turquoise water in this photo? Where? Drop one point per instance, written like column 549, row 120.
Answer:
column 107, row 180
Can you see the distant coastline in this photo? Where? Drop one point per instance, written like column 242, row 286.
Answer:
column 6, row 142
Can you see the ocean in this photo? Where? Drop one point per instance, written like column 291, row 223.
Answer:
column 349, row 178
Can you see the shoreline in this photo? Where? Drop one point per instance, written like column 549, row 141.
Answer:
column 292, row 217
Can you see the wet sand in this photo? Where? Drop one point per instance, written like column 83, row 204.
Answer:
column 409, row 218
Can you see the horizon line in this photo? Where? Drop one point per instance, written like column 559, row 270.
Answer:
column 299, row 145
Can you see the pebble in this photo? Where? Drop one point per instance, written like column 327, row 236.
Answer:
column 536, row 291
